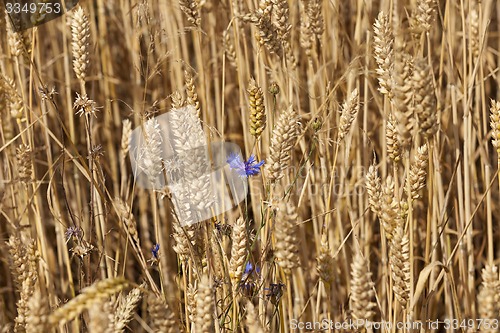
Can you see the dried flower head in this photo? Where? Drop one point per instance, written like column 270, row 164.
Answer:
column 73, row 232
column 85, row 106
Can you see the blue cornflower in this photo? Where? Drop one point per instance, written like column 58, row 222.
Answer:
column 248, row 279
column 244, row 169
column 248, row 270
column 155, row 250
column 73, row 232
column 275, row 292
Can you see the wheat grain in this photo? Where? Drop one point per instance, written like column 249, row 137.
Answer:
column 24, row 269
column 267, row 33
column 150, row 152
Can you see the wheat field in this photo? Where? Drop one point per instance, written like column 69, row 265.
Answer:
column 367, row 150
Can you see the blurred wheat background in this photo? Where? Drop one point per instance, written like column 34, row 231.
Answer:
column 378, row 199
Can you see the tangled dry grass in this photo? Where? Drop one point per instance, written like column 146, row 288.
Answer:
column 379, row 198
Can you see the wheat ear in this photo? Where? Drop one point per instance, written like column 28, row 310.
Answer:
column 238, row 251
column 23, row 154
column 325, row 261
column 14, row 39
column 488, row 298
column 24, row 269
column 80, row 32
column 362, row 294
column 128, row 219
column 389, row 217
column 383, row 41
column 91, row 295
column 14, row 100
column 252, row 319
column 286, row 249
column 399, row 259
column 162, row 317
column 349, row 112
column 418, row 172
column 125, row 310
column 192, row 10
column 422, row 16
column 192, row 96
column 257, row 109
column 204, row 306
column 284, row 135
column 424, row 100
column 37, row 314
column 495, row 125
column 374, row 189
column 402, row 90
column 391, row 137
